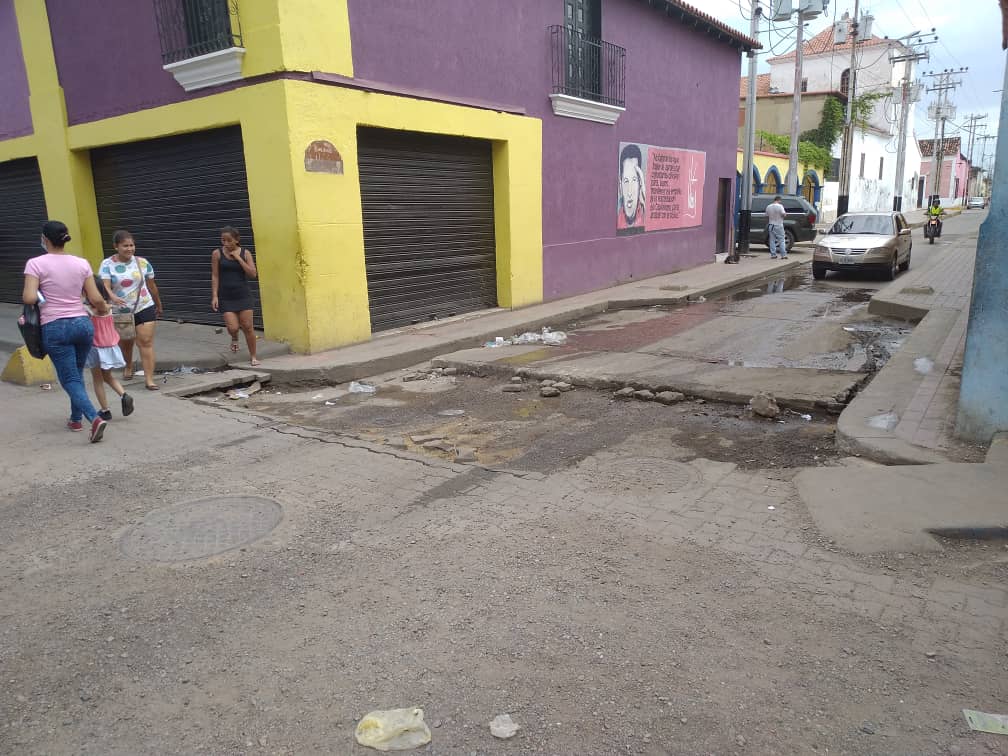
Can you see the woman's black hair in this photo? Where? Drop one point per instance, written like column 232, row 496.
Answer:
column 232, row 232
column 120, row 236
column 56, row 232
column 101, row 288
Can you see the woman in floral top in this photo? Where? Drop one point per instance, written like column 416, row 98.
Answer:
column 130, row 281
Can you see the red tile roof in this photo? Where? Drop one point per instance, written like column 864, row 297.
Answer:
column 710, row 22
column 952, row 145
column 823, row 43
column 762, row 85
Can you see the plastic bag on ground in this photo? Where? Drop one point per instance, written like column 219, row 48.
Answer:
column 553, row 338
column 393, row 730
column 361, row 388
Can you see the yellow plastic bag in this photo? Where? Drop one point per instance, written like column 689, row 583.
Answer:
column 393, row 730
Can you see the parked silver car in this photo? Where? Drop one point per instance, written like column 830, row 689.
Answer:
column 864, row 241
column 976, row 203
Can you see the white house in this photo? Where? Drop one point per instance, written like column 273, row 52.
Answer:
column 826, row 68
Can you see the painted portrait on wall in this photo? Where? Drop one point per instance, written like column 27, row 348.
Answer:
column 660, row 188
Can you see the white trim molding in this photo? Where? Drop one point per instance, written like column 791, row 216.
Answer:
column 586, row 110
column 208, row 70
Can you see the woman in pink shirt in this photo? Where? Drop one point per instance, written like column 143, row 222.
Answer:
column 67, row 332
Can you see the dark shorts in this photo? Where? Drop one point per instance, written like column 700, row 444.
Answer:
column 237, row 301
column 146, row 315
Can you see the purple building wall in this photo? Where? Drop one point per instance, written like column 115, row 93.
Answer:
column 110, row 65
column 15, row 115
column 682, row 91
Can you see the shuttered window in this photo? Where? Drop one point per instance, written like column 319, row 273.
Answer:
column 428, row 225
column 22, row 213
column 174, row 195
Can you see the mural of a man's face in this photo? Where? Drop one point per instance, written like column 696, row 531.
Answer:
column 630, row 184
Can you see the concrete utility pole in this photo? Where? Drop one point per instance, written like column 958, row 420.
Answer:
column 939, row 111
column 843, row 200
column 983, row 410
column 973, row 119
column 910, row 93
column 745, row 212
column 806, row 10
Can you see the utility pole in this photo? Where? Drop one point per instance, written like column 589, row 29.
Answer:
column 745, row 212
column 940, row 111
column 973, row 119
column 910, row 93
column 843, row 200
column 806, row 10
column 983, row 157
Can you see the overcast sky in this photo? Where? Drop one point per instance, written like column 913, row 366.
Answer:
column 969, row 34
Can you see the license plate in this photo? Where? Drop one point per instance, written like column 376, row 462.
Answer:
column 846, row 260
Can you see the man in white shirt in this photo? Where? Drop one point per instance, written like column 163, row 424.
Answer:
column 775, row 228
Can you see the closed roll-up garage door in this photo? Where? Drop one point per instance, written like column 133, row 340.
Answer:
column 174, row 195
column 22, row 213
column 428, row 225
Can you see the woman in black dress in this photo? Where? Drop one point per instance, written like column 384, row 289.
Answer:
column 231, row 268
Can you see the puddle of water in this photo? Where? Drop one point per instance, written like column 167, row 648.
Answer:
column 766, row 288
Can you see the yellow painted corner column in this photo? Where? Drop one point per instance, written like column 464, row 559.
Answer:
column 279, row 256
column 329, row 217
column 517, row 167
column 66, row 175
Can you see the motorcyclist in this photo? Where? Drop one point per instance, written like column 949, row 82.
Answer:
column 935, row 212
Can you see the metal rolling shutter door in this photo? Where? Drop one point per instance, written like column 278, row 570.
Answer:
column 174, row 195
column 22, row 213
column 428, row 225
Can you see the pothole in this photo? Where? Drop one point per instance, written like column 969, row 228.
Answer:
column 201, row 529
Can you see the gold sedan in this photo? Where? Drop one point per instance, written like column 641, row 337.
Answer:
column 864, row 241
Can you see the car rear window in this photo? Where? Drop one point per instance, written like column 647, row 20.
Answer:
column 759, row 204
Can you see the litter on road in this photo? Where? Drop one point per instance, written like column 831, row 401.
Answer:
column 547, row 337
column 503, row 727
column 393, row 730
column 981, row 722
column 361, row 388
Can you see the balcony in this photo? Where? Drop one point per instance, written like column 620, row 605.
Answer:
column 589, row 76
column 201, row 43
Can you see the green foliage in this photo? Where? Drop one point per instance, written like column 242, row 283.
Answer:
column 863, row 105
column 812, row 155
column 830, row 126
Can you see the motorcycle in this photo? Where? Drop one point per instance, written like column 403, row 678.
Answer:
column 932, row 229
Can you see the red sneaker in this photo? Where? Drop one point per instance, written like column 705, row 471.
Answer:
column 75, row 425
column 97, row 430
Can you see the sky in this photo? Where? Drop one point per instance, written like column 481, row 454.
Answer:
column 969, row 38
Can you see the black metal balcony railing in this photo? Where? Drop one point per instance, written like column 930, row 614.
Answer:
column 589, row 68
column 190, row 28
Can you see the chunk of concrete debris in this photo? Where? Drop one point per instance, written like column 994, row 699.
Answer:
column 546, row 382
column 644, row 395
column 764, row 405
column 517, row 379
column 465, row 454
column 562, row 386
column 624, row 393
column 669, row 397
column 440, row 445
column 414, row 377
column 549, row 391
column 512, row 388
column 450, row 371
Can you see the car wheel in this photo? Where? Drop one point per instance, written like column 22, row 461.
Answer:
column 906, row 266
column 788, row 240
column 818, row 271
column 893, row 270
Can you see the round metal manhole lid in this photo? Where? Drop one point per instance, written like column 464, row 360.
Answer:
column 201, row 529
column 643, row 476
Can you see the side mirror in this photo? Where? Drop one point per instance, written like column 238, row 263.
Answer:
column 904, row 232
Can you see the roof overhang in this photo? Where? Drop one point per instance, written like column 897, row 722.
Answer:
column 706, row 24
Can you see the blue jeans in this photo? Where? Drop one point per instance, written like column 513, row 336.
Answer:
column 68, row 342
column 776, row 240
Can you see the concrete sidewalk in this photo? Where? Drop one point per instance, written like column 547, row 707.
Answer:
column 906, row 415
column 175, row 344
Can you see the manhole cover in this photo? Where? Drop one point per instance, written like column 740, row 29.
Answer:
column 201, row 528
column 643, row 475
